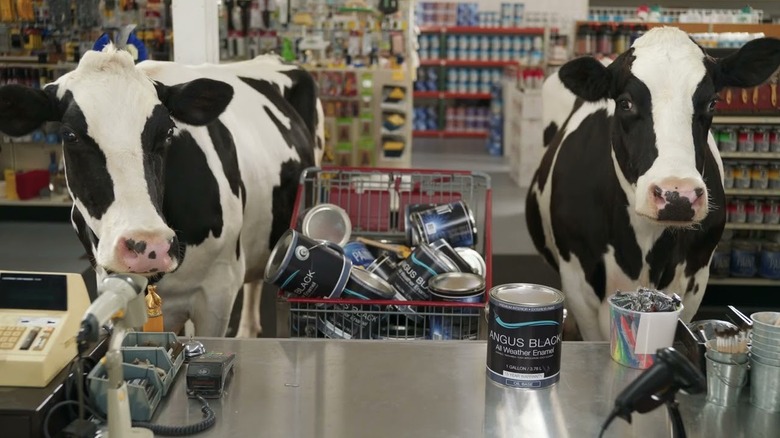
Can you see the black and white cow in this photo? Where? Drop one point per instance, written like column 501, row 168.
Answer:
column 629, row 191
column 186, row 174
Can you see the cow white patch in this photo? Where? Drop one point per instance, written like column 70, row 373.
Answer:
column 671, row 66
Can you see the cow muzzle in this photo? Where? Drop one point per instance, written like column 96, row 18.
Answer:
column 676, row 201
column 147, row 253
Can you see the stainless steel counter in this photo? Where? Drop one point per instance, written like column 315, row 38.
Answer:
column 374, row 389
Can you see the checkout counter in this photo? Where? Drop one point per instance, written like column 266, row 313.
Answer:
column 302, row 388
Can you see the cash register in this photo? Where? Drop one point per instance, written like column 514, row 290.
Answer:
column 40, row 315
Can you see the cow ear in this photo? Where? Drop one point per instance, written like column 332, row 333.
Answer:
column 587, row 78
column 24, row 109
column 750, row 66
column 197, row 102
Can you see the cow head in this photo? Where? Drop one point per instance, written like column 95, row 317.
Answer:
column 116, row 126
column 664, row 90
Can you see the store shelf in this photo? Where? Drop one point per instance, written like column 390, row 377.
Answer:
column 743, row 282
column 746, row 119
column 752, row 192
column 483, row 30
column 770, row 30
column 466, row 63
column 757, row 227
column 450, row 134
column 37, row 202
column 452, row 95
column 751, row 155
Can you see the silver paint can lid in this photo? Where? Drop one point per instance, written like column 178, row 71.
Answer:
column 526, row 294
column 474, row 259
column 327, row 222
column 378, row 287
column 457, row 284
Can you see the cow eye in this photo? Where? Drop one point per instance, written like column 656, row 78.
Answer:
column 69, row 137
column 625, row 105
column 713, row 104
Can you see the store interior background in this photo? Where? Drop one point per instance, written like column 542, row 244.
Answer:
column 28, row 243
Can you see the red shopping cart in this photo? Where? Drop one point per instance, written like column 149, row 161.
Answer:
column 375, row 200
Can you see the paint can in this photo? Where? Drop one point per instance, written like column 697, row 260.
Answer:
column 448, row 251
column 525, row 327
column 383, row 266
column 475, row 261
column 307, row 268
column 350, row 321
column 327, row 222
column 358, row 253
column 408, row 227
column 455, row 322
column 453, row 222
column 410, row 278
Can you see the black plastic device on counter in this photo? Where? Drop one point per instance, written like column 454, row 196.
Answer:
column 208, row 374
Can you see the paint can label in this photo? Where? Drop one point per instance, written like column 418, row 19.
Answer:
column 358, row 253
column 307, row 268
column 452, row 222
column 524, row 343
column 411, row 276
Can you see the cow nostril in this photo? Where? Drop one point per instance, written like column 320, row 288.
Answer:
column 698, row 192
column 657, row 192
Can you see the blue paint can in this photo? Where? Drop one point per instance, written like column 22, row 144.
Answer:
column 455, row 322
column 769, row 263
column 453, row 222
column 744, row 254
column 408, row 211
column 358, row 253
column 721, row 260
column 307, row 268
column 383, row 266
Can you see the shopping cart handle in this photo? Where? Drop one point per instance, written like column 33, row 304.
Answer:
column 401, row 250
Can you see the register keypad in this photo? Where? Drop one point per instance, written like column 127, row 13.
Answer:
column 11, row 335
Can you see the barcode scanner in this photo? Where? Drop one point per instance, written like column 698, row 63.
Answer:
column 670, row 373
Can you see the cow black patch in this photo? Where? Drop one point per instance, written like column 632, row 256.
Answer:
column 191, row 204
column 284, row 199
column 549, row 155
column 296, row 136
column 153, row 142
column 85, row 234
column 238, row 246
column 303, row 96
column 589, row 213
column 85, row 164
column 549, row 133
column 533, row 219
column 633, row 134
column 226, row 150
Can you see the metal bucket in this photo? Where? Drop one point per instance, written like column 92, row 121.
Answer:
column 764, row 386
column 725, row 381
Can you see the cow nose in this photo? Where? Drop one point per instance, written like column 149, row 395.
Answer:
column 144, row 253
column 678, row 199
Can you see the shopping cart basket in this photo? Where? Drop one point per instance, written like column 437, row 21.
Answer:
column 375, row 200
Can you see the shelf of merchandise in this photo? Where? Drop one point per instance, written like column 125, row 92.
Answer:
column 752, row 192
column 749, row 226
column 473, row 30
column 450, row 134
column 748, row 119
column 465, row 63
column 451, row 95
column 751, row 155
column 733, row 281
column 770, row 30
